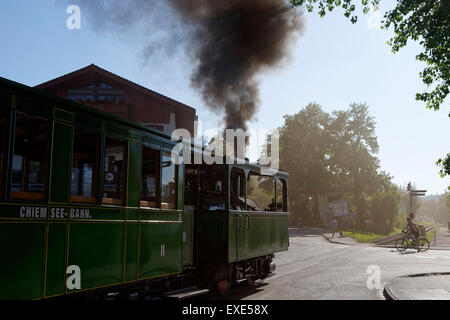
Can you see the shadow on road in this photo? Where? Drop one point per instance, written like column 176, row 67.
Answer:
column 307, row 232
column 242, row 291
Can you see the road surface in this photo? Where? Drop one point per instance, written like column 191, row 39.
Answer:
column 314, row 268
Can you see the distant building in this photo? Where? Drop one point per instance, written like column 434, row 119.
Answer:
column 105, row 91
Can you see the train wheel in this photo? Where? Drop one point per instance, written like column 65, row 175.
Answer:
column 223, row 287
column 251, row 282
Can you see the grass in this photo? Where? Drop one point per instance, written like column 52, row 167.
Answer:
column 365, row 237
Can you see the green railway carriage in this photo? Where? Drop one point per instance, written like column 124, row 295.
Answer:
column 84, row 190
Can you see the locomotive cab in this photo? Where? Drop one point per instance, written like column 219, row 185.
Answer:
column 241, row 220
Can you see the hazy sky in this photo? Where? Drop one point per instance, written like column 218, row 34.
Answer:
column 334, row 63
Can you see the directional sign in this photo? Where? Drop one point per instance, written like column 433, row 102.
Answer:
column 417, row 193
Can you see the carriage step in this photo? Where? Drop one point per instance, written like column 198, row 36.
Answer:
column 186, row 293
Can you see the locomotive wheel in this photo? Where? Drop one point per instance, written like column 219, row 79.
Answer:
column 223, row 287
column 251, row 282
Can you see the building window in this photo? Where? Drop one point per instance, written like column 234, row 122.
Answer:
column 81, row 97
column 261, row 193
column 103, row 85
column 3, row 137
column 150, row 178
column 114, row 99
column 31, row 158
column 83, row 187
column 115, row 172
column 168, row 183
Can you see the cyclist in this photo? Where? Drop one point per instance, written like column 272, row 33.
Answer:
column 412, row 232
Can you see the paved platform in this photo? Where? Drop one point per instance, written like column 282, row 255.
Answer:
column 430, row 286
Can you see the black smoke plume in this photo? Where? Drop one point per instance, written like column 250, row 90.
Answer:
column 231, row 42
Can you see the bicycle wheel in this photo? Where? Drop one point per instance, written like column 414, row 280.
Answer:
column 401, row 244
column 424, row 244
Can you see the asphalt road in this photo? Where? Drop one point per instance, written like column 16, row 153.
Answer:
column 314, row 268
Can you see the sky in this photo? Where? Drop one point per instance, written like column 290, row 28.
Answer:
column 334, row 63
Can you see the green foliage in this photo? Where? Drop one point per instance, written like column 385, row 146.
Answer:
column 426, row 21
column 363, row 237
column 329, row 5
column 384, row 209
column 445, row 166
column 332, row 154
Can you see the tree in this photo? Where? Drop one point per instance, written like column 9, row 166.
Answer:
column 353, row 155
column 448, row 203
column 445, row 166
column 385, row 207
column 426, row 21
column 304, row 146
column 330, row 154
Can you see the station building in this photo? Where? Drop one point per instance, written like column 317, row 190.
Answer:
column 105, row 91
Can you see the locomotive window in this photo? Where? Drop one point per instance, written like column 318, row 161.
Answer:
column 31, row 158
column 261, row 193
column 3, row 136
column 212, row 196
column 83, row 187
column 168, row 183
column 115, row 172
column 150, row 178
column 281, row 196
column 237, row 190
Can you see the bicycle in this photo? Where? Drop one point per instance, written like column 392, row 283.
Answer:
column 404, row 243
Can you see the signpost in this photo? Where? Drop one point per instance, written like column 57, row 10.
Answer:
column 414, row 193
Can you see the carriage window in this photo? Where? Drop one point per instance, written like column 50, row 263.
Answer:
column 237, row 189
column 115, row 172
column 84, row 167
column 150, row 178
column 261, row 193
column 3, row 136
column 281, row 196
column 168, row 183
column 30, row 160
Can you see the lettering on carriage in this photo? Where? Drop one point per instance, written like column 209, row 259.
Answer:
column 58, row 213
column 33, row 212
column 80, row 214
